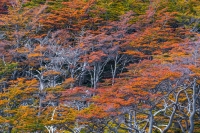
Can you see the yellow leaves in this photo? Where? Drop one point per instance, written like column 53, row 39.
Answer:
column 20, row 88
column 22, row 50
column 37, row 52
column 31, row 82
column 135, row 53
column 23, row 116
column 58, row 115
column 25, row 111
column 141, row 116
column 51, row 73
column 93, row 111
column 2, row 120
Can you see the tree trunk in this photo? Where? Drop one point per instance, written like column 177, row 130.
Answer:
column 150, row 121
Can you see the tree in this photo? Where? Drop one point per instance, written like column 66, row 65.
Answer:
column 18, row 105
column 99, row 66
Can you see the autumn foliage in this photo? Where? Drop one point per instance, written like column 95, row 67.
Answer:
column 99, row 66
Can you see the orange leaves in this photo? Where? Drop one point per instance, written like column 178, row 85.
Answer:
column 83, row 50
column 3, row 102
column 135, row 53
column 69, row 13
column 93, row 111
column 139, row 89
column 68, row 81
column 18, row 96
column 96, row 56
column 195, row 70
column 37, row 53
column 22, row 87
column 32, row 55
column 58, row 115
column 51, row 73
column 22, row 50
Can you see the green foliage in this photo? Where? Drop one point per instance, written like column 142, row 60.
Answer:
column 188, row 12
column 6, row 68
column 34, row 3
column 113, row 9
column 54, row 4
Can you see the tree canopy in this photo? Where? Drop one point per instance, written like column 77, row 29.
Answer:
column 100, row 66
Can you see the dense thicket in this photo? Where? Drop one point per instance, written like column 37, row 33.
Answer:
column 99, row 66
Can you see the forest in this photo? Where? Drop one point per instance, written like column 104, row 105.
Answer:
column 99, row 66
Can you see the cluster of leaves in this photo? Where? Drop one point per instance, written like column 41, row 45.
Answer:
column 100, row 66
